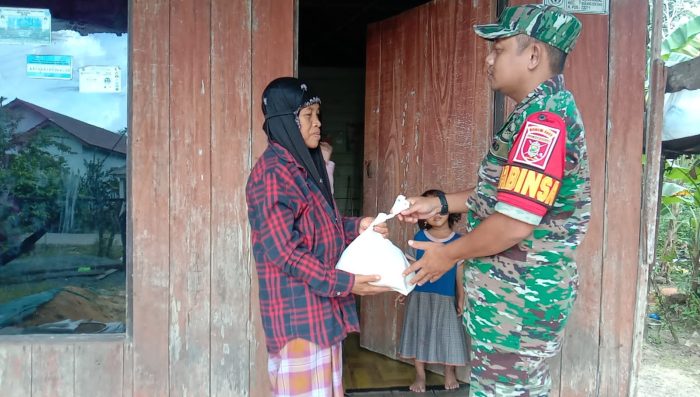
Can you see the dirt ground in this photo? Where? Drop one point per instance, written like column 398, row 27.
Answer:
column 81, row 304
column 669, row 369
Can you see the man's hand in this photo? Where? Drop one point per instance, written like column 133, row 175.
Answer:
column 421, row 208
column 381, row 228
column 432, row 265
column 363, row 287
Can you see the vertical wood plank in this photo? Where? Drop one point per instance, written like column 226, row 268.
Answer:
column 431, row 126
column 586, row 76
column 457, row 98
column 16, row 370
column 650, row 192
column 273, row 56
column 149, row 134
column 128, row 370
column 372, row 116
column 190, row 197
column 99, row 369
column 53, row 370
column 230, row 162
column 370, row 184
column 623, row 194
column 377, row 316
column 406, row 111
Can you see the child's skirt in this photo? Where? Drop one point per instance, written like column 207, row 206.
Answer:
column 432, row 330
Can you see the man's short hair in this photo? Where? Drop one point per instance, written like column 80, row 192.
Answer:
column 557, row 57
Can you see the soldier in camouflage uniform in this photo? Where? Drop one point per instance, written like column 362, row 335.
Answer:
column 528, row 213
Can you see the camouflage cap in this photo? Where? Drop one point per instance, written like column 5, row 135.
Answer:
column 548, row 24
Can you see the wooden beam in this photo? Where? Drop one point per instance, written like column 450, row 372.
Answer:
column 190, row 197
column 273, row 32
column 650, row 192
column 684, row 76
column 627, row 71
column 149, row 201
column 586, row 76
column 230, row 164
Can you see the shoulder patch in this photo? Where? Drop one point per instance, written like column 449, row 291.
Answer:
column 537, row 142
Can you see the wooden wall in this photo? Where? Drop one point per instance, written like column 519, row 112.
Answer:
column 198, row 68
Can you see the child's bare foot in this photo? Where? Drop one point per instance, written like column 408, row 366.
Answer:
column 418, row 385
column 451, row 382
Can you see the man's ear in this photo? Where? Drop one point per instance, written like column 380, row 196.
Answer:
column 537, row 55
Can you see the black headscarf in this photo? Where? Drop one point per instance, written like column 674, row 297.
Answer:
column 282, row 100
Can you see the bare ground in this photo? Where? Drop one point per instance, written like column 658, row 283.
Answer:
column 669, row 369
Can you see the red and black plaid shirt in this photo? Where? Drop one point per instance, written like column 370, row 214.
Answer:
column 297, row 240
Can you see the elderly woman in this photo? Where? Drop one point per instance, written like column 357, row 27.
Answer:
column 298, row 235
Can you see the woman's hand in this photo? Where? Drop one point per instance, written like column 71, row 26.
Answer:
column 381, row 228
column 363, row 287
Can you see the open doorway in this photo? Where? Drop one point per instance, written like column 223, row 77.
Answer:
column 332, row 59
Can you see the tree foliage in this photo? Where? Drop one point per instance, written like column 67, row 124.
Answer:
column 31, row 175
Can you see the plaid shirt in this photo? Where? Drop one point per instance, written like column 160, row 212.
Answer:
column 297, row 240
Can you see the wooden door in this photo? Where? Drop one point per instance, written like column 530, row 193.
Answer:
column 428, row 123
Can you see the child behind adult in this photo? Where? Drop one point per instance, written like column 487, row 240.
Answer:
column 432, row 330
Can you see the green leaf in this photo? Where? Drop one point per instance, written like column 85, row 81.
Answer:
column 685, row 40
column 677, row 173
column 672, row 193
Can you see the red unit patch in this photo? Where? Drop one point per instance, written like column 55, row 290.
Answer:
column 536, row 145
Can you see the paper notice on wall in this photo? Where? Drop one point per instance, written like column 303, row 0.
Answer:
column 58, row 67
column 581, row 6
column 100, row 79
column 25, row 26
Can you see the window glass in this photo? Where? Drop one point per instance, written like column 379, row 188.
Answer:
column 63, row 152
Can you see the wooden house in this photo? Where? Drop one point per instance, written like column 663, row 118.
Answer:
column 198, row 68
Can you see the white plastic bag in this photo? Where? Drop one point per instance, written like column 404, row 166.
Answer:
column 371, row 253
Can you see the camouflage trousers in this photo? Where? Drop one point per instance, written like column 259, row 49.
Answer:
column 515, row 317
column 502, row 374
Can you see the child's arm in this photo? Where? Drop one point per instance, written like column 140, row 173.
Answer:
column 459, row 295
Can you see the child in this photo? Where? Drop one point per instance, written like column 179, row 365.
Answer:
column 432, row 331
column 326, row 152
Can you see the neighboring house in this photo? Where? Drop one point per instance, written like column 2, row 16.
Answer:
column 84, row 141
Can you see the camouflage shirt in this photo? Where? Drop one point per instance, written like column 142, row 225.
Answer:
column 519, row 300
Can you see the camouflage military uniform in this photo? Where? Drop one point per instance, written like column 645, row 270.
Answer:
column 520, row 299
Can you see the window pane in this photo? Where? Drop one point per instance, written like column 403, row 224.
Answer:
column 63, row 148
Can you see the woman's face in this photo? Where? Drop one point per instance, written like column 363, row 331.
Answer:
column 310, row 125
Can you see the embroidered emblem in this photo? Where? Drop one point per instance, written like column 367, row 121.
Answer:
column 536, row 145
